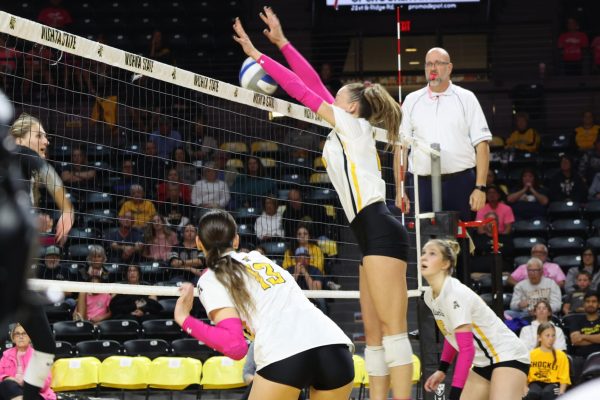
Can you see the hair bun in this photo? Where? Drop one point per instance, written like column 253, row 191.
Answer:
column 454, row 246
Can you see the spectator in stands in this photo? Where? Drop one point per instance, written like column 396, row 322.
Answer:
column 523, row 138
column 142, row 210
column 585, row 331
column 533, row 289
column 127, row 177
column 594, row 189
column 200, row 144
column 269, row 225
column 298, row 212
column 210, row 191
column 542, row 313
column 574, row 301
column 303, row 239
column 13, row 367
column 93, row 307
column 125, row 243
column 589, row 263
column 55, row 15
column 307, row 276
column 150, row 166
column 530, row 200
column 175, row 212
column 332, row 83
column 8, row 62
column 53, row 269
column 551, row 270
column 134, row 306
column 78, row 173
column 495, row 203
column 249, row 188
column 187, row 262
column 587, row 133
column 166, row 138
column 484, row 243
column 226, row 172
column 566, row 184
column 95, row 264
column 492, row 179
column 181, row 162
column 159, row 51
column 159, row 239
column 173, row 181
column 549, row 372
column 573, row 43
column 589, row 164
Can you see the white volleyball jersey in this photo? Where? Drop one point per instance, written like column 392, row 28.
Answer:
column 353, row 164
column 284, row 322
column 458, row 305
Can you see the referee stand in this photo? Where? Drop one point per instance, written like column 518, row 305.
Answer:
column 446, row 225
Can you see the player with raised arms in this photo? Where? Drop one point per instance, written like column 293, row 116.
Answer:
column 295, row 344
column 471, row 329
column 353, row 165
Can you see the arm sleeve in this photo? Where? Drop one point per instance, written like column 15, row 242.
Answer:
column 227, row 336
column 306, row 72
column 466, row 354
column 448, row 354
column 291, row 83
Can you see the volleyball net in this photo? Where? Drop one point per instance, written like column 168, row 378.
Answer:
column 145, row 148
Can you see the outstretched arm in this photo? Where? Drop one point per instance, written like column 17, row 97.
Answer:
column 54, row 185
column 289, row 81
column 295, row 60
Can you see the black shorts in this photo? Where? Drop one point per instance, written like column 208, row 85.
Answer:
column 324, row 368
column 486, row 372
column 379, row 233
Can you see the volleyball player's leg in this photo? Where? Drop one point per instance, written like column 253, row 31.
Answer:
column 379, row 385
column 264, row 389
column 507, row 384
column 476, row 387
column 341, row 393
column 386, row 281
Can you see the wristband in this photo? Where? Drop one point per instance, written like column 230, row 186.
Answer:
column 482, row 188
column 444, row 365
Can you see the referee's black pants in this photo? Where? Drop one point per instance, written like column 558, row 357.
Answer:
column 456, row 190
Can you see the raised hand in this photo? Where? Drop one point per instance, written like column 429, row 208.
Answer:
column 275, row 32
column 244, row 40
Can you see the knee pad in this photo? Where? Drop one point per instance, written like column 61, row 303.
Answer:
column 398, row 350
column 375, row 361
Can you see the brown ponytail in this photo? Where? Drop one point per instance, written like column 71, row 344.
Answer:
column 378, row 107
column 217, row 230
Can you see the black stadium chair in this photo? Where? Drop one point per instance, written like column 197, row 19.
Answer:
column 567, row 261
column 592, row 210
column 78, row 252
column 64, row 350
column 100, row 349
column 166, row 329
column 60, row 311
column 523, row 245
column 74, row 331
column 535, row 227
column 565, row 245
column 168, row 306
column 593, row 242
column 591, row 367
column 120, row 330
column 193, row 348
column 520, row 260
column 569, row 227
column 564, row 209
column 151, row 348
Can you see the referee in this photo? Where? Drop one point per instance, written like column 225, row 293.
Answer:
column 449, row 115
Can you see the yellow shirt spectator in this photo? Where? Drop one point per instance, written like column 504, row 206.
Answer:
column 586, row 137
column 141, row 212
column 316, row 258
column 544, row 368
column 529, row 140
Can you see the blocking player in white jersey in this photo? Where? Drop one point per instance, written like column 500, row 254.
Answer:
column 295, row 344
column 353, row 165
column 471, row 329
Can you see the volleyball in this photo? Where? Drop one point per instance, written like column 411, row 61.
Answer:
column 253, row 77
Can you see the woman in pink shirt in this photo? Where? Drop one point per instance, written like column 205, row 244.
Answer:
column 158, row 239
column 13, row 365
column 93, row 307
column 495, row 204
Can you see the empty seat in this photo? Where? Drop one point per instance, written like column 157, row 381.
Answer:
column 69, row 374
column 101, row 218
column 274, row 248
column 222, row 372
column 124, row 372
column 168, row 306
column 592, row 210
column 152, row 271
column 523, row 245
column 564, row 209
column 565, row 245
column 64, row 350
column 591, row 366
column 78, row 252
column 190, row 347
column 294, row 179
column 567, row 261
column 74, row 331
column 166, row 329
column 247, row 215
column 235, row 147
column 593, row 242
column 100, row 349
column 535, row 227
column 322, row 195
column 119, row 329
column 320, row 178
column 150, row 348
column 174, row 373
column 264, row 148
column 96, row 200
column 557, row 143
column 569, row 227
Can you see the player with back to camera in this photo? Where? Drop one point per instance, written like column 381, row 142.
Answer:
column 32, row 142
column 295, row 344
column 473, row 332
column 353, row 165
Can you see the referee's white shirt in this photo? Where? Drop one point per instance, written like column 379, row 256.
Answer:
column 284, row 322
column 453, row 119
column 458, row 305
column 353, row 164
